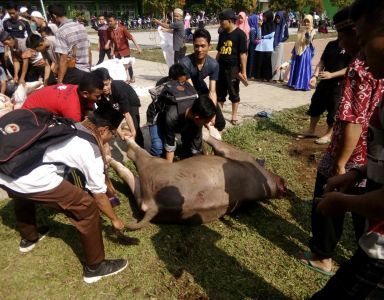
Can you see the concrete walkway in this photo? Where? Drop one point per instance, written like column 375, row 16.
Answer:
column 258, row 96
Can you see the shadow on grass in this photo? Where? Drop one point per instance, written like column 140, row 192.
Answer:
column 281, row 233
column 270, row 124
column 191, row 251
column 44, row 215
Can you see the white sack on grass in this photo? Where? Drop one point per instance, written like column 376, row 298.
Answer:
column 116, row 67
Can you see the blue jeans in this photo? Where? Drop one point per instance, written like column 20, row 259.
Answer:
column 157, row 146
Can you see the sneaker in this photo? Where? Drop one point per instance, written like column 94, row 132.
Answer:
column 26, row 246
column 104, row 269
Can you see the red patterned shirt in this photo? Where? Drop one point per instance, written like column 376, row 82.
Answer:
column 361, row 95
column 119, row 37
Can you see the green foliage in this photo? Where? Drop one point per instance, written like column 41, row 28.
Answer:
column 295, row 5
column 160, row 7
column 242, row 5
column 341, row 3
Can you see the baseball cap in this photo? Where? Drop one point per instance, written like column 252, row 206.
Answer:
column 4, row 35
column 23, row 9
column 228, row 14
column 37, row 14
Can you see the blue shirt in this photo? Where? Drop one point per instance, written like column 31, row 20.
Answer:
column 210, row 68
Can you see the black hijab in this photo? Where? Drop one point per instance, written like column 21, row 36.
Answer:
column 268, row 26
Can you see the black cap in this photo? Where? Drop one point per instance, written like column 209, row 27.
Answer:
column 106, row 115
column 4, row 35
column 228, row 14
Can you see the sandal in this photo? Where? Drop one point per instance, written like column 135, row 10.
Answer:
column 132, row 80
column 235, row 122
column 306, row 261
column 306, row 135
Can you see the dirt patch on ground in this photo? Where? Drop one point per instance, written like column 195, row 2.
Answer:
column 308, row 154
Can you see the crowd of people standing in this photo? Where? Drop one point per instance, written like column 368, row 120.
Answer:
column 350, row 174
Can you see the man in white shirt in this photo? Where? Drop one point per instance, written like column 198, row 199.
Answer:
column 44, row 185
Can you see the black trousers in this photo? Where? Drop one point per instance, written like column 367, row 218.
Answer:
column 326, row 231
column 135, row 114
column 263, row 65
column 179, row 54
column 102, row 54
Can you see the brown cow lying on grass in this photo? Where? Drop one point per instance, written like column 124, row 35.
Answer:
column 199, row 189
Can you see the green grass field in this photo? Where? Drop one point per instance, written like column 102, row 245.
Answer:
column 247, row 255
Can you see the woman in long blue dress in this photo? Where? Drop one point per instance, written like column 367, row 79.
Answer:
column 301, row 61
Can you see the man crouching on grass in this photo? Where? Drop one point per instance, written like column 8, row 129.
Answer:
column 44, row 185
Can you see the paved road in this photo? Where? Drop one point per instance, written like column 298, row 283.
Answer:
column 150, row 39
column 256, row 97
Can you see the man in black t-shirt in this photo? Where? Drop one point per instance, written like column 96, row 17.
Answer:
column 15, row 26
column 232, row 58
column 124, row 99
column 330, row 70
column 200, row 65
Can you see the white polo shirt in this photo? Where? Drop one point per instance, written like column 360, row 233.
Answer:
column 76, row 153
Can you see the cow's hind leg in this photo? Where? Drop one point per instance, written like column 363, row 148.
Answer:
column 223, row 149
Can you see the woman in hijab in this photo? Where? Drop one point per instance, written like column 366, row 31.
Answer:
column 253, row 21
column 301, row 61
column 242, row 23
column 281, row 35
column 264, row 48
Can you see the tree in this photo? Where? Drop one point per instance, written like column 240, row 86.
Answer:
column 242, row 5
column 341, row 3
column 295, row 5
column 161, row 6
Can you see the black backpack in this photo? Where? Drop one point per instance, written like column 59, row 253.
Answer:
column 25, row 135
column 170, row 93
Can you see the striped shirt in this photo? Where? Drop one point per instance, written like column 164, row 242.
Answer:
column 70, row 35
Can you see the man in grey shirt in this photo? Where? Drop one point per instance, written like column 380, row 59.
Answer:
column 73, row 46
column 177, row 28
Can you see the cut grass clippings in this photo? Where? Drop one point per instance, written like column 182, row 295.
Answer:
column 247, row 255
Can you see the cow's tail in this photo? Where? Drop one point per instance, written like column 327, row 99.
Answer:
column 149, row 215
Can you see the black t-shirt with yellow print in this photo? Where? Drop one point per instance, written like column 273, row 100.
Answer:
column 230, row 46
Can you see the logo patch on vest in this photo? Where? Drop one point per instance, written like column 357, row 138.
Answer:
column 11, row 128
